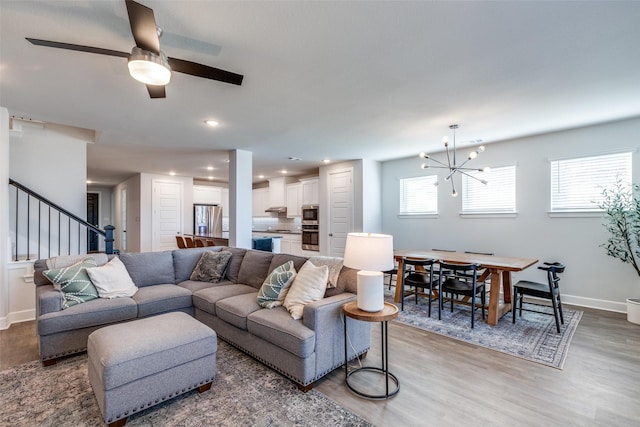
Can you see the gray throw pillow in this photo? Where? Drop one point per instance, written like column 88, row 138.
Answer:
column 211, row 267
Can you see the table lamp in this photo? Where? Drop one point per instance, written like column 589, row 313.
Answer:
column 371, row 254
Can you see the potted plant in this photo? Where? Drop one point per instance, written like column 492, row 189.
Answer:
column 621, row 205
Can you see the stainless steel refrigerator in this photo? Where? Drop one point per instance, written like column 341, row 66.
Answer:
column 207, row 220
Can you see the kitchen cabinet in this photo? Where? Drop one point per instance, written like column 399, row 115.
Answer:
column 260, row 202
column 310, row 191
column 294, row 200
column 207, row 195
column 278, row 191
column 225, row 202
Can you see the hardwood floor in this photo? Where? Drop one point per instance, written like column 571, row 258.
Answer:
column 444, row 382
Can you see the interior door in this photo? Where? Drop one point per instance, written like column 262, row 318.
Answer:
column 92, row 218
column 340, row 210
column 167, row 214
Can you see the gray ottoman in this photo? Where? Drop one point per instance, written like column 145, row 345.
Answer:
column 138, row 364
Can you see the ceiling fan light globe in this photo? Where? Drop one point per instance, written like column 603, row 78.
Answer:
column 149, row 68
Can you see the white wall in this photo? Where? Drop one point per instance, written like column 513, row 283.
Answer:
column 591, row 278
column 5, row 252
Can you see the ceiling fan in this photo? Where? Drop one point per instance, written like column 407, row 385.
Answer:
column 147, row 63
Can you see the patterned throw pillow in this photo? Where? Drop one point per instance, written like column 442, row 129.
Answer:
column 310, row 285
column 211, row 266
column 275, row 286
column 73, row 282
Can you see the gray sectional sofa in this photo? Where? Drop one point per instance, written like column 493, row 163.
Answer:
column 303, row 350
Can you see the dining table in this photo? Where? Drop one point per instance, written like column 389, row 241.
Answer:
column 497, row 268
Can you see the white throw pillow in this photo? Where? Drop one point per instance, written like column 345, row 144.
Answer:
column 112, row 280
column 309, row 285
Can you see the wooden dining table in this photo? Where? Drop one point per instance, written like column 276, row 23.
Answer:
column 499, row 268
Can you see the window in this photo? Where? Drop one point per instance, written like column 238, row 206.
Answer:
column 498, row 196
column 419, row 195
column 577, row 184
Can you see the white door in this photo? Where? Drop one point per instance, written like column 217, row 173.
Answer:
column 340, row 211
column 167, row 214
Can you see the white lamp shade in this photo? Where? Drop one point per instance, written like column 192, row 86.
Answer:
column 369, row 252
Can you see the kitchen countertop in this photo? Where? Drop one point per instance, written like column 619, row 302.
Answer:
column 277, row 231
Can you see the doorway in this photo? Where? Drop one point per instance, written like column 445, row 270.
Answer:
column 93, row 215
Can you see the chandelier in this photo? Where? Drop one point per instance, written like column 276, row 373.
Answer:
column 451, row 165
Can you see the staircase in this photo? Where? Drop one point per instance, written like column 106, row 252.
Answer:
column 40, row 228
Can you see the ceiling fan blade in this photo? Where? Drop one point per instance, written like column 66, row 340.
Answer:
column 199, row 70
column 78, row 47
column 156, row 91
column 143, row 26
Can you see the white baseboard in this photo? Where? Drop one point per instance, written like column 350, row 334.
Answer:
column 618, row 307
column 17, row 317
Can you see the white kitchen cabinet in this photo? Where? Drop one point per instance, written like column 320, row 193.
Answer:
column 260, row 201
column 310, row 191
column 294, row 200
column 207, row 195
column 225, row 202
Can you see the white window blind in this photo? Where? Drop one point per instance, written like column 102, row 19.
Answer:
column 498, row 196
column 419, row 195
column 577, row 184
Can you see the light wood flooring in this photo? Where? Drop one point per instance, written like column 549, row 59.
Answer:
column 444, row 382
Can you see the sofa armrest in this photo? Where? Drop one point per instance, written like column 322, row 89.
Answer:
column 325, row 318
column 48, row 300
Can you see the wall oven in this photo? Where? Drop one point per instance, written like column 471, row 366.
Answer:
column 310, row 231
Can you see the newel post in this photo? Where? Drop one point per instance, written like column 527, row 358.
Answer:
column 108, row 239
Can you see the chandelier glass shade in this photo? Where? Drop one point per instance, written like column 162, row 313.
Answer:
column 451, row 166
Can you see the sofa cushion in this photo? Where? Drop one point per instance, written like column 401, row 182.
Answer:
column 254, row 268
column 161, row 298
column 185, row 260
column 74, row 282
column 91, row 313
column 149, row 268
column 211, row 266
column 206, row 299
column 237, row 255
column 112, row 280
column 309, row 285
column 277, row 327
column 234, row 310
column 196, row 285
column 279, row 259
column 276, row 285
column 347, row 282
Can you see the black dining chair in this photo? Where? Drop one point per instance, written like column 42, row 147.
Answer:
column 549, row 290
column 460, row 280
column 419, row 274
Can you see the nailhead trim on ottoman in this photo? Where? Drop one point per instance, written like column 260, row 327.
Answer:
column 141, row 363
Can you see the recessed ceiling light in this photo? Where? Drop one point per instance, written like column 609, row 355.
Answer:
column 212, row 123
column 172, row 173
column 89, row 181
column 261, row 176
column 326, row 161
column 209, row 168
column 283, row 171
column 294, row 158
column 210, row 177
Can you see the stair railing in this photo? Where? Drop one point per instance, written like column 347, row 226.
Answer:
column 47, row 233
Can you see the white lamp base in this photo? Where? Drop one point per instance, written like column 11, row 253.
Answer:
column 370, row 290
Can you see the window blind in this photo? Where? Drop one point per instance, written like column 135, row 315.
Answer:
column 419, row 195
column 498, row 196
column 577, row 184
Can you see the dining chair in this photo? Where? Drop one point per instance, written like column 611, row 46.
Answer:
column 457, row 280
column 419, row 274
column 210, row 242
column 549, row 290
column 199, row 243
column 189, row 241
column 180, row 242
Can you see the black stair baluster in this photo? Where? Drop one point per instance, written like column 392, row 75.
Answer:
column 16, row 256
column 59, row 236
column 69, row 238
column 39, row 226
column 49, row 235
column 28, row 224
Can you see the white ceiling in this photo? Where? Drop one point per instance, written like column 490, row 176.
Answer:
column 328, row 79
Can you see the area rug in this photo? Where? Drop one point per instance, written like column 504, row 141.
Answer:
column 244, row 393
column 533, row 337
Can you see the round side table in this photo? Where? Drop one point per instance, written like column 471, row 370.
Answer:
column 388, row 312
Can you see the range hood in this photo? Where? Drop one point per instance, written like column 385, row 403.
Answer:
column 277, row 209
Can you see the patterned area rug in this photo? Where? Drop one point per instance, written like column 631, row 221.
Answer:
column 244, row 393
column 533, row 337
